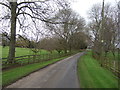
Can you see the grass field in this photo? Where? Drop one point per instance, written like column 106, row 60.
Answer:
column 92, row 75
column 20, row 51
column 25, row 59
column 111, row 56
column 12, row 75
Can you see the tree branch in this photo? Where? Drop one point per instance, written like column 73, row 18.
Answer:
column 5, row 5
column 47, row 21
column 24, row 3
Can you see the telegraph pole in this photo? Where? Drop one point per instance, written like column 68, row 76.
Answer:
column 119, row 20
column 118, row 39
column 119, row 29
column 101, row 37
column 102, row 23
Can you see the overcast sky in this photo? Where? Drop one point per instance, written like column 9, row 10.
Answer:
column 82, row 6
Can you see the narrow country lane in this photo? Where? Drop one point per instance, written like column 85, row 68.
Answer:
column 62, row 74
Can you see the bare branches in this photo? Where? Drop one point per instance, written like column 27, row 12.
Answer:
column 103, row 26
column 72, row 23
column 24, row 3
column 27, row 14
column 5, row 5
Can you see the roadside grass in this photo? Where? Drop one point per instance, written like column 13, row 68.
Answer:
column 12, row 75
column 92, row 75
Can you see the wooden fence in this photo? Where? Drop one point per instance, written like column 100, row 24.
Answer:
column 28, row 59
column 112, row 65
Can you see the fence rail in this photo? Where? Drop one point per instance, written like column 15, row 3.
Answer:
column 28, row 59
column 113, row 65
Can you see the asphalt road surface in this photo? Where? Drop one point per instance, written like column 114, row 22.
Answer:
column 62, row 74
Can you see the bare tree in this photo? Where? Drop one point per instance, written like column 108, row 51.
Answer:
column 72, row 23
column 118, row 46
column 47, row 44
column 78, row 40
column 21, row 9
column 103, row 26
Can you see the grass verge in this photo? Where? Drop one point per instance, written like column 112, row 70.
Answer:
column 13, row 75
column 92, row 75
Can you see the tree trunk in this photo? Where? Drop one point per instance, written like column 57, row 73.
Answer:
column 65, row 50
column 11, row 56
column 70, row 48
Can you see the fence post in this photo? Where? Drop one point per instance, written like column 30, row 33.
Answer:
column 28, row 58
column 33, row 59
column 114, row 66
column 105, row 62
column 43, row 56
column 21, row 61
column 52, row 55
column 119, row 69
column 39, row 57
column 49, row 56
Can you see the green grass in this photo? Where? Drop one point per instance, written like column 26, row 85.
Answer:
column 111, row 56
column 92, row 75
column 24, row 52
column 16, row 73
column 20, row 51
